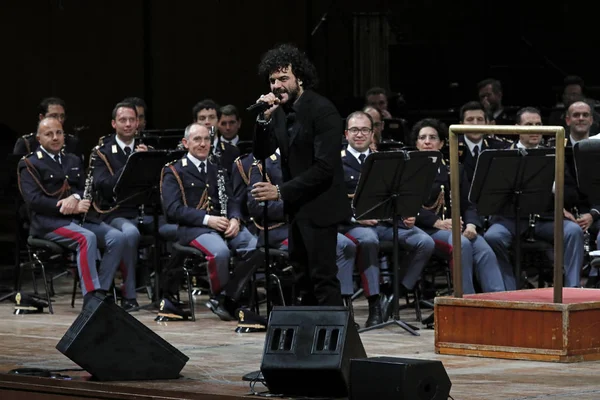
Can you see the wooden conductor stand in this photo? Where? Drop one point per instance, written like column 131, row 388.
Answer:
column 549, row 324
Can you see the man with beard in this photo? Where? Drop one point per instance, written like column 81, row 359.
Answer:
column 307, row 129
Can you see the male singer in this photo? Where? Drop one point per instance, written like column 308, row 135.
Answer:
column 307, row 128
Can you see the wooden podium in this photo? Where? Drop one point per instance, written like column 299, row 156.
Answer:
column 550, row 324
column 523, row 324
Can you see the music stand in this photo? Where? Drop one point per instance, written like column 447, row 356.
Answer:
column 9, row 189
column 587, row 164
column 139, row 184
column 512, row 183
column 393, row 184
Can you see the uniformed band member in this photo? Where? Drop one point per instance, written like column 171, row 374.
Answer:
column 470, row 145
column 420, row 246
column 109, row 163
column 50, row 107
column 207, row 113
column 279, row 229
column 194, row 198
column 240, row 178
column 501, row 232
column 52, row 184
column 435, row 216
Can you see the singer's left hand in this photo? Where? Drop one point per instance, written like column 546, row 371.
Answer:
column 264, row 191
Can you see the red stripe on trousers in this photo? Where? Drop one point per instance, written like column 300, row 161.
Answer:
column 213, row 274
column 86, row 276
column 359, row 265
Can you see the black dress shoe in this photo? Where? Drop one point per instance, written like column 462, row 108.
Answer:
column 375, row 317
column 429, row 322
column 218, row 306
column 129, row 305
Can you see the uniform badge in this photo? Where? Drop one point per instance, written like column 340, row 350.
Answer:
column 241, row 316
column 273, row 157
column 39, row 154
column 184, row 162
column 114, row 149
column 343, row 153
column 18, row 298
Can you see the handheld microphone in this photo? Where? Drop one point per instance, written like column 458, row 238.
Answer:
column 261, row 106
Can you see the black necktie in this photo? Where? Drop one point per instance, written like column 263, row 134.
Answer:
column 475, row 152
column 56, row 158
column 127, row 150
column 202, row 168
column 361, row 158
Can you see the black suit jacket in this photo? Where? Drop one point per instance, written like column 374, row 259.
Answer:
column 190, row 218
column 108, row 167
column 313, row 187
column 427, row 218
column 40, row 182
column 466, row 158
column 278, row 230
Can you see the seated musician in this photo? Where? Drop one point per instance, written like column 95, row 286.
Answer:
column 50, row 107
column 477, row 256
column 278, row 229
column 52, row 184
column 109, row 163
column 501, row 232
column 240, row 178
column 528, row 116
column 207, row 113
column 207, row 214
column 368, row 233
column 470, row 145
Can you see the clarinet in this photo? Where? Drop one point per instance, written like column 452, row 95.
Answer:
column 586, row 233
column 215, row 158
column 89, row 181
column 529, row 235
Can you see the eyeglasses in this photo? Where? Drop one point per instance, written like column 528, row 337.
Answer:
column 364, row 131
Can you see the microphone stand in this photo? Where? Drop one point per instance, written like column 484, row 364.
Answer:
column 263, row 164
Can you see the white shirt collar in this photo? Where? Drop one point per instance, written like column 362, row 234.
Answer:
column 233, row 141
column 195, row 161
column 472, row 145
column 573, row 140
column 122, row 144
column 48, row 153
column 277, row 151
column 522, row 146
column 357, row 153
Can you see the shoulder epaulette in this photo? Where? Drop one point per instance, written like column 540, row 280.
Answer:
column 171, row 163
column 343, row 153
column 27, row 155
column 101, row 140
column 28, row 135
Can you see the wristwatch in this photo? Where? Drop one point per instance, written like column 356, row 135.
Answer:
column 77, row 196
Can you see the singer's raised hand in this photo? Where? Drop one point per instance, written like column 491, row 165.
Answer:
column 271, row 99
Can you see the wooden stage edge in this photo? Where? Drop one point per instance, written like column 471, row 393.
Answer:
column 520, row 325
column 16, row 387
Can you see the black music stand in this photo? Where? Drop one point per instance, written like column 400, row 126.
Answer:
column 513, row 183
column 393, row 184
column 9, row 189
column 139, row 184
column 587, row 164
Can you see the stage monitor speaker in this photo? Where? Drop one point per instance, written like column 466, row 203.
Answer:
column 308, row 351
column 387, row 378
column 112, row 345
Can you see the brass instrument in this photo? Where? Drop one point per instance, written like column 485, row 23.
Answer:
column 89, row 181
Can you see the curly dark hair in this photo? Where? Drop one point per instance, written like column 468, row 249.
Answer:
column 439, row 126
column 283, row 56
